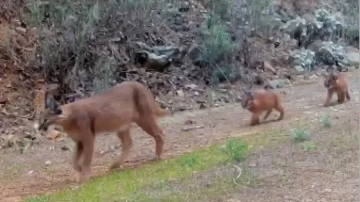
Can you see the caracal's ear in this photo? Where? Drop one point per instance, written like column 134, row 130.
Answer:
column 249, row 94
column 333, row 74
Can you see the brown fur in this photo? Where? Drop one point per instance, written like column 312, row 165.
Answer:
column 259, row 101
column 113, row 110
column 336, row 82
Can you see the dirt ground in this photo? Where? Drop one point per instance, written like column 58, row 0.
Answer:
column 328, row 173
column 26, row 174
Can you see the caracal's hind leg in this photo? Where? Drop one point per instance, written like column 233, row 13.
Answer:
column 126, row 144
column 341, row 97
column 77, row 158
column 347, row 94
column 150, row 126
column 267, row 114
column 280, row 109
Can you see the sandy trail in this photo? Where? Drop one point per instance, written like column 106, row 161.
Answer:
column 26, row 174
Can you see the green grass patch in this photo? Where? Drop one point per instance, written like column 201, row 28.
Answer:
column 235, row 149
column 299, row 134
column 325, row 121
column 309, row 146
column 127, row 184
column 223, row 181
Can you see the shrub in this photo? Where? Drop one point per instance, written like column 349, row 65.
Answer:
column 235, row 149
column 325, row 121
column 309, row 146
column 217, row 42
column 299, row 135
column 74, row 46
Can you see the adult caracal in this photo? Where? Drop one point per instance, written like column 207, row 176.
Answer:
column 113, row 110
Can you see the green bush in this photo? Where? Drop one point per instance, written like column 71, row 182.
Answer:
column 325, row 121
column 235, row 149
column 299, row 135
column 217, row 43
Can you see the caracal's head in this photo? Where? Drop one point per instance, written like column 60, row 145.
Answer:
column 246, row 99
column 51, row 112
column 330, row 79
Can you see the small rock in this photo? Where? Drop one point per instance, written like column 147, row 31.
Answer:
column 192, row 128
column 226, row 99
column 202, row 106
column 189, row 122
column 3, row 99
column 327, row 190
column 47, row 163
column 354, row 58
column 180, row 93
column 287, row 37
column 200, row 101
column 20, row 30
column 316, row 45
column 182, row 108
column 30, row 172
column 238, row 99
column 191, row 86
column 313, row 77
column 268, row 66
column 185, row 7
column 299, row 68
column 279, row 83
column 53, row 134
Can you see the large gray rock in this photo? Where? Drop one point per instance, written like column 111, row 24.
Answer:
column 323, row 25
column 327, row 53
column 354, row 57
column 333, row 54
column 304, row 59
column 158, row 57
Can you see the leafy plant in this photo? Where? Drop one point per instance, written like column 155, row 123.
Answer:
column 220, row 8
column 190, row 160
column 235, row 149
column 309, row 146
column 299, row 135
column 217, row 44
column 325, row 121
